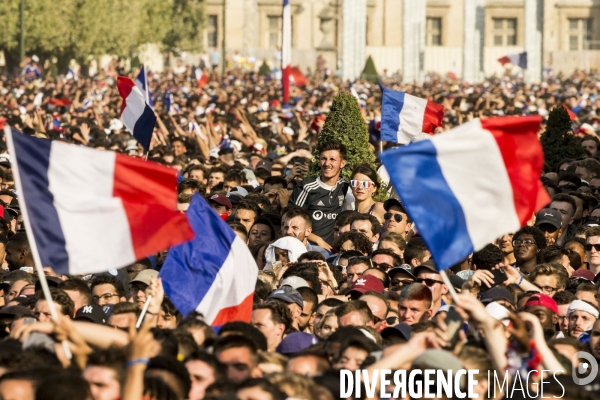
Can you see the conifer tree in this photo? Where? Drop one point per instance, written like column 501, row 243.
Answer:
column 558, row 140
column 346, row 124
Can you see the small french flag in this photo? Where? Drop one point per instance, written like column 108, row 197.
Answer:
column 214, row 274
column 519, row 60
column 470, row 185
column 404, row 117
column 201, row 77
column 89, row 211
column 136, row 114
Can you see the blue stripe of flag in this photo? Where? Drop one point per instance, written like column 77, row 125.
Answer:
column 33, row 160
column 391, row 105
column 144, row 126
column 191, row 268
column 418, row 178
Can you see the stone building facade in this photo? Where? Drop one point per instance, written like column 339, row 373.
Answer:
column 465, row 37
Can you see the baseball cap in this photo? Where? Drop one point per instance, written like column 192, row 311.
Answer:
column 366, row 283
column 400, row 329
column 456, row 281
column 542, row 300
column 264, row 164
column 287, row 294
column 239, row 190
column 496, row 293
column 234, row 198
column 403, row 269
column 583, row 273
column 220, row 199
column 296, row 342
column 499, row 312
column 53, row 282
column 294, row 281
column 5, row 160
column 13, row 311
column 131, row 145
column 394, row 202
column 145, row 276
column 548, row 216
column 429, row 265
column 91, row 312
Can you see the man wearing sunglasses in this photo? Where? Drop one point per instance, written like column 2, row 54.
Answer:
column 428, row 275
column 401, row 276
column 549, row 221
column 592, row 249
column 395, row 218
column 324, row 197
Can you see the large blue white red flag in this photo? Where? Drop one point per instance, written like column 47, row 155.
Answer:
column 136, row 113
column 214, row 274
column 470, row 185
column 142, row 83
column 404, row 117
column 89, row 211
column 286, row 50
column 519, row 60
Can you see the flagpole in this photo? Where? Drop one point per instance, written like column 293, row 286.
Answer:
column 449, row 285
column 32, row 244
column 147, row 84
column 143, row 313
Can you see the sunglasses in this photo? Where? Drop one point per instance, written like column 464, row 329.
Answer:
column 594, row 189
column 364, row 184
column 401, row 282
column 526, row 242
column 382, row 266
column 388, row 215
column 428, row 282
column 588, row 247
column 547, row 228
column 391, row 321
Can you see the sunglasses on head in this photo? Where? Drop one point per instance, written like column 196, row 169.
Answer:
column 389, row 215
column 588, row 247
column 364, row 184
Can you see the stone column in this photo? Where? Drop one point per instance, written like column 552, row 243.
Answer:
column 354, row 38
column 413, row 46
column 474, row 14
column 534, row 21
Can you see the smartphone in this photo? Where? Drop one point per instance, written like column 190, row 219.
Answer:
column 453, row 323
column 499, row 276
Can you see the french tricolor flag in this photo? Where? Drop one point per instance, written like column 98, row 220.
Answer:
column 470, row 185
column 213, row 274
column 519, row 60
column 404, row 117
column 201, row 77
column 89, row 211
column 136, row 113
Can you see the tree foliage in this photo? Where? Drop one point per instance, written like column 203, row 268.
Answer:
column 83, row 28
column 346, row 124
column 370, row 72
column 558, row 141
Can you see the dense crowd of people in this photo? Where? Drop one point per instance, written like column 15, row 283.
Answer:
column 345, row 282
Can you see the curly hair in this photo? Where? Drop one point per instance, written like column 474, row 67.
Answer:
column 536, row 233
column 360, row 242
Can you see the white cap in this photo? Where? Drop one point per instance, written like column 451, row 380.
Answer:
column 294, row 281
column 115, row 124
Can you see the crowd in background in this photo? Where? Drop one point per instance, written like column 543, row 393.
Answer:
column 345, row 281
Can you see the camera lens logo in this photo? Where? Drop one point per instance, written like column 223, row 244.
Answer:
column 587, row 369
column 317, row 215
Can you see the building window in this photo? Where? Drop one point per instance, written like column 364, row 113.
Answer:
column 434, row 31
column 212, row 29
column 505, row 31
column 580, row 33
column 275, row 26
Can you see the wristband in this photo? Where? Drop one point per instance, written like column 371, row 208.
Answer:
column 520, row 281
column 135, row 361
